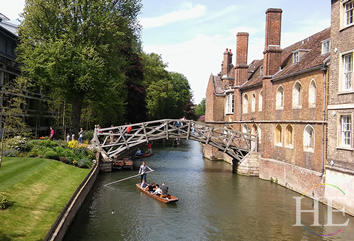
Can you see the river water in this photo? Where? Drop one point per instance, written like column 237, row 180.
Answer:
column 214, row 204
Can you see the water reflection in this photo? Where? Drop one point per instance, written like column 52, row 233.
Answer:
column 214, row 204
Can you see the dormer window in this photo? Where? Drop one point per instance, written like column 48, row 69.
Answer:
column 326, row 45
column 261, row 71
column 295, row 57
column 298, row 54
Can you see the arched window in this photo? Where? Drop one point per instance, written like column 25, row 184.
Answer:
column 309, row 138
column 278, row 138
column 280, row 98
column 312, row 93
column 260, row 100
column 253, row 102
column 289, row 136
column 245, row 103
column 297, row 93
column 245, row 128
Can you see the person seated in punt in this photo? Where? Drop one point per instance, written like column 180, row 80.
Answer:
column 164, row 189
column 138, row 152
column 151, row 188
column 158, row 190
column 143, row 184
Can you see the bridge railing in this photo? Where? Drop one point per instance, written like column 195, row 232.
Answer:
column 115, row 140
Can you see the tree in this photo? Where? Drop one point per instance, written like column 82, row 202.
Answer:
column 78, row 50
column 200, row 109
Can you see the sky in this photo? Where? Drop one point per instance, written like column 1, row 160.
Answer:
column 192, row 35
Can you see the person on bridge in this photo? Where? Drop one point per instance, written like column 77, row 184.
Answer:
column 142, row 171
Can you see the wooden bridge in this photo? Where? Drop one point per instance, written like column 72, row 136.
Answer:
column 113, row 141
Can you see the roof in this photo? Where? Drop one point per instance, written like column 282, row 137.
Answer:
column 7, row 25
column 312, row 57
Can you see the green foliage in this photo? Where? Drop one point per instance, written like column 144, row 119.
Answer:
column 10, row 153
column 200, row 108
column 14, row 98
column 79, row 52
column 51, row 155
column 167, row 93
column 4, row 202
column 88, row 135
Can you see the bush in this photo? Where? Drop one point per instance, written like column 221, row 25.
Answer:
column 84, row 163
column 51, row 155
column 4, row 202
column 35, row 152
column 48, row 143
column 10, row 153
column 88, row 135
column 16, row 142
column 73, row 144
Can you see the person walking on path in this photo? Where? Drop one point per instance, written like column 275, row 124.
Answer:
column 81, row 134
column 142, row 171
column 51, row 137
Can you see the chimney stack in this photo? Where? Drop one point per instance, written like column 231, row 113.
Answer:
column 272, row 51
column 225, row 66
column 241, row 68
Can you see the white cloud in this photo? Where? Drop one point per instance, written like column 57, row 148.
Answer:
column 189, row 13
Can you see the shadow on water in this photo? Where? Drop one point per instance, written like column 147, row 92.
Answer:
column 214, row 204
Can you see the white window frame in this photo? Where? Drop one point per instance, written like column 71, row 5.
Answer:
column 229, row 105
column 348, row 8
column 326, row 46
column 296, row 57
column 312, row 93
column 309, row 139
column 346, row 131
column 245, row 104
column 297, row 95
column 261, row 70
column 279, row 103
column 253, row 103
column 347, row 72
column 260, row 100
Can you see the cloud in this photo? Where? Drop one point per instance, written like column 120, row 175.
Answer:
column 189, row 13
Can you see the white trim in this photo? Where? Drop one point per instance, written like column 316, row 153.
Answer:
column 340, row 107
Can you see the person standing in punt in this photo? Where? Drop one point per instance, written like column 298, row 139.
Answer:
column 142, row 171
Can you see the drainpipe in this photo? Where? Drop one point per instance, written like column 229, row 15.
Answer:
column 324, row 68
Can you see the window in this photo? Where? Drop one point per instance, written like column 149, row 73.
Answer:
column 309, row 138
column 280, row 98
column 295, row 57
column 312, row 93
column 349, row 7
column 261, row 71
column 346, row 131
column 348, row 72
column 253, row 102
column 260, row 100
column 245, row 128
column 278, row 135
column 326, row 46
column 245, row 103
column 289, row 136
column 297, row 92
column 229, row 104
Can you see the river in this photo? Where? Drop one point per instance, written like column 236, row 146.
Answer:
column 214, row 204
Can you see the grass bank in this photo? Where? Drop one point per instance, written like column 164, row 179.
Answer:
column 39, row 189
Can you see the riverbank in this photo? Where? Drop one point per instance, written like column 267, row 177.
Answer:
column 39, row 189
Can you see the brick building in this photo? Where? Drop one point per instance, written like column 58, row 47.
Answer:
column 282, row 99
column 36, row 111
column 340, row 156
